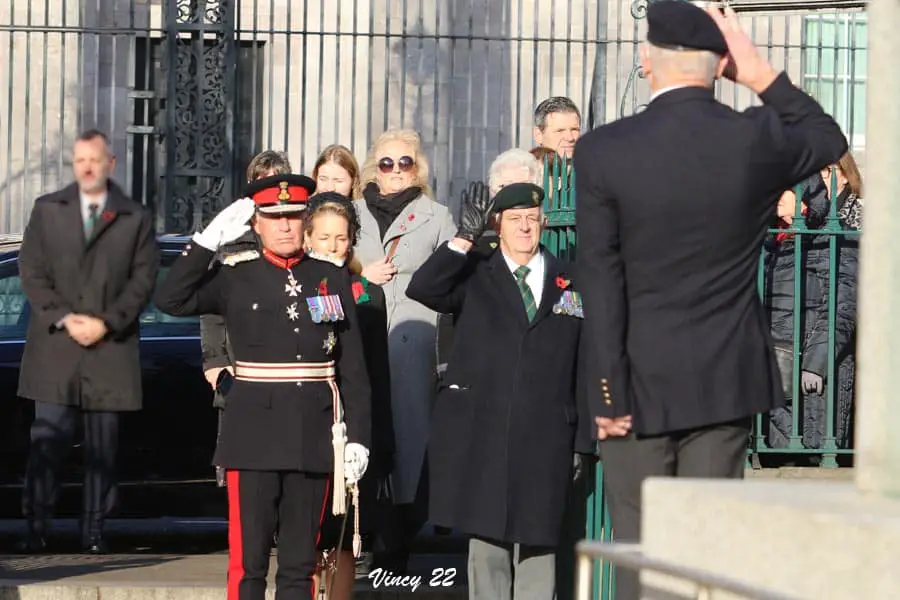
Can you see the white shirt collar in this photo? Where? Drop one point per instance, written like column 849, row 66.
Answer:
column 535, row 278
column 86, row 202
column 662, row 91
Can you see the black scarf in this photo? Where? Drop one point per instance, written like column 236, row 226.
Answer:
column 387, row 208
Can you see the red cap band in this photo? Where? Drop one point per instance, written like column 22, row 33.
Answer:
column 285, row 194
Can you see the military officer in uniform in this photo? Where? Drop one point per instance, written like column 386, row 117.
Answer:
column 296, row 430
column 673, row 206
column 503, row 431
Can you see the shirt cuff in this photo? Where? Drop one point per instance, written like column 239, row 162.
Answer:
column 456, row 248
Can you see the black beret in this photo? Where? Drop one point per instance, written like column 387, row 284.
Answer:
column 276, row 194
column 319, row 200
column 679, row 24
column 518, row 195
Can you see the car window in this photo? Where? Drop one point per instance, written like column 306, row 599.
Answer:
column 153, row 315
column 15, row 310
column 13, row 306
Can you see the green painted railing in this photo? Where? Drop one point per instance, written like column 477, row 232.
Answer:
column 559, row 237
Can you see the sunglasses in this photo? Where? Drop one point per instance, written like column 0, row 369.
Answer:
column 406, row 163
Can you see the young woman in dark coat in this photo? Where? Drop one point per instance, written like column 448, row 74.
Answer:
column 332, row 227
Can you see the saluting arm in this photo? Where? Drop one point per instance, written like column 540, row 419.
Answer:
column 37, row 282
column 804, row 137
column 353, row 378
column 135, row 296
column 191, row 287
column 602, row 289
column 440, row 282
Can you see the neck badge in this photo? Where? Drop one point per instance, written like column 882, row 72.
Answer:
column 292, row 287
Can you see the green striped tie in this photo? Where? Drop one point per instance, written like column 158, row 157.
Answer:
column 91, row 223
column 527, row 297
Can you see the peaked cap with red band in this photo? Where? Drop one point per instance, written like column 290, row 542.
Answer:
column 278, row 194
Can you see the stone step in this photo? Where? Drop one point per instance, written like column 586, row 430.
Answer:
column 195, row 577
column 180, row 535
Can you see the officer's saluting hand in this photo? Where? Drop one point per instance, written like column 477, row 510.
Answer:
column 230, row 224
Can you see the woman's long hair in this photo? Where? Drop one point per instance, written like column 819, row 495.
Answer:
column 423, row 172
column 847, row 165
column 343, row 157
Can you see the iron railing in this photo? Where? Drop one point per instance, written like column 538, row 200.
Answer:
column 629, row 556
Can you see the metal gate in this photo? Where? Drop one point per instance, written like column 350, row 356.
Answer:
column 189, row 90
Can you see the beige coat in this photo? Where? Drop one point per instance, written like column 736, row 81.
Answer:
column 422, row 226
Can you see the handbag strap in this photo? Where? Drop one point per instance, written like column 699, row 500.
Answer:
column 393, row 248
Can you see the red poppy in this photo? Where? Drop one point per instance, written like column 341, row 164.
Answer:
column 323, row 287
column 358, row 290
column 108, row 215
column 411, row 216
column 561, row 282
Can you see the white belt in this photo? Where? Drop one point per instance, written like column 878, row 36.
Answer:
column 284, row 372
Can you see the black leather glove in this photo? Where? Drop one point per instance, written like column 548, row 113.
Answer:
column 577, row 466
column 476, row 211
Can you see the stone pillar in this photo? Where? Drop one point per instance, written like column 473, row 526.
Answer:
column 878, row 340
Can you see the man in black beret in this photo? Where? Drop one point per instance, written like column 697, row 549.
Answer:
column 673, row 205
column 296, row 426
column 504, row 424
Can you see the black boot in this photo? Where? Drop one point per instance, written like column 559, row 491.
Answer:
column 35, row 540
column 95, row 544
column 92, row 540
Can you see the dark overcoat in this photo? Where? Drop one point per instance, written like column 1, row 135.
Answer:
column 273, row 426
column 111, row 277
column 673, row 206
column 503, row 430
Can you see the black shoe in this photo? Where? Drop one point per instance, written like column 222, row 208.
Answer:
column 33, row 543
column 95, row 544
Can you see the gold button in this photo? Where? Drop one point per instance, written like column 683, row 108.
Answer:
column 604, row 380
column 608, row 401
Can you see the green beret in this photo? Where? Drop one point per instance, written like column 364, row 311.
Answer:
column 518, row 195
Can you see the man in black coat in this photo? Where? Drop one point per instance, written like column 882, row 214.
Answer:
column 295, row 432
column 505, row 420
column 88, row 265
column 672, row 208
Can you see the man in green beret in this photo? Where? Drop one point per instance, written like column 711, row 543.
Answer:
column 506, row 421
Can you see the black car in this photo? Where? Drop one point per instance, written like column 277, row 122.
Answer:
column 168, row 444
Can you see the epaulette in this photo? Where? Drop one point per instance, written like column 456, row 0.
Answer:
column 239, row 257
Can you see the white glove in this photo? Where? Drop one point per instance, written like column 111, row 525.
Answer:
column 356, row 461
column 227, row 226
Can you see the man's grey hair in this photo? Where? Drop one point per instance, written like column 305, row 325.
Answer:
column 89, row 135
column 555, row 104
column 514, row 159
column 698, row 64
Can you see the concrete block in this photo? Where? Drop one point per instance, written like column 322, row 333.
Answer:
column 806, row 539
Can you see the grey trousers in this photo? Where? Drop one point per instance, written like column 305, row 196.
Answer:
column 717, row 451
column 500, row 571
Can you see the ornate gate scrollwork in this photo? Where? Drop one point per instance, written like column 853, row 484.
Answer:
column 638, row 12
column 199, row 69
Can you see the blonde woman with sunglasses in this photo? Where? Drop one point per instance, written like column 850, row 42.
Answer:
column 401, row 226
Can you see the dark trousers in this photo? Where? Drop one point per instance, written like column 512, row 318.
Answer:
column 717, row 451
column 397, row 529
column 259, row 504
column 52, row 434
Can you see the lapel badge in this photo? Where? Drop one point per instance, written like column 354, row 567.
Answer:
column 329, row 343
